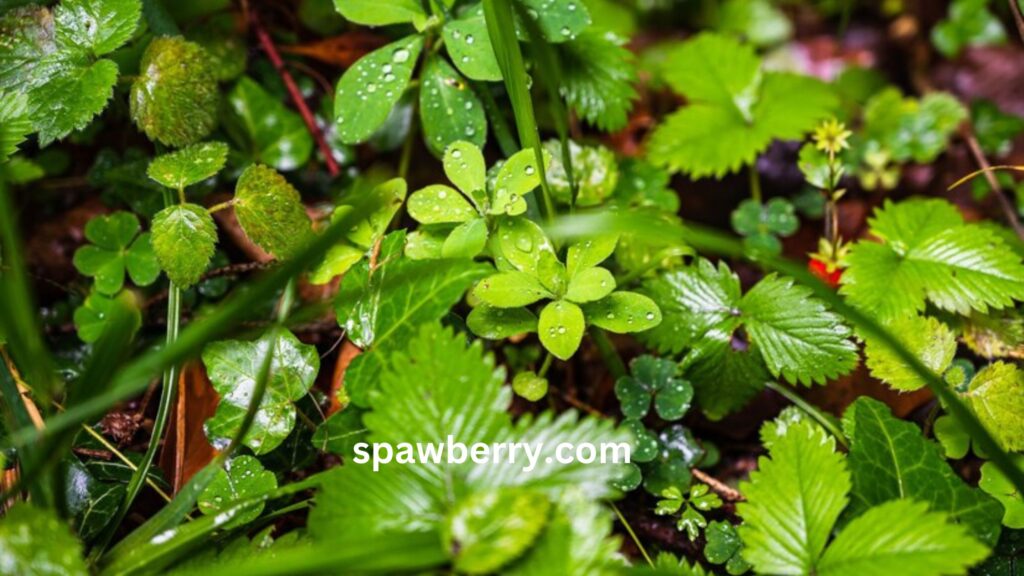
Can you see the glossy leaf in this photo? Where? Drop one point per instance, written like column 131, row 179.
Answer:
column 497, row 323
column 117, row 247
column 517, row 177
column 373, row 13
column 242, row 478
column 14, row 123
column 188, row 165
column 996, row 394
column 466, row 240
column 268, row 131
column 469, row 46
column 440, row 204
column 464, row 166
column 560, row 327
column 929, row 339
column 589, row 253
column 624, row 312
column 371, row 87
column 35, row 541
column 450, row 109
column 184, row 239
column 490, row 529
column 510, row 290
column 270, row 211
column 653, row 379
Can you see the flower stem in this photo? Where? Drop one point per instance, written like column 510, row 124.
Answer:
column 811, row 410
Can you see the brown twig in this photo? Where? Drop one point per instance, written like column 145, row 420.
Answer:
column 727, row 492
column 979, row 157
column 1018, row 16
column 275, row 58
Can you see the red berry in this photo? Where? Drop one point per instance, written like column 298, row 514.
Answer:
column 820, row 269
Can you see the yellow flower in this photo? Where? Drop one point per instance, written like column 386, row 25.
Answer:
column 831, row 136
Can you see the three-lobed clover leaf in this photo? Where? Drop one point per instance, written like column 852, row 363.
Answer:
column 653, row 379
column 117, row 246
column 761, row 225
column 234, row 366
column 723, row 546
column 699, row 499
column 997, row 485
column 242, row 478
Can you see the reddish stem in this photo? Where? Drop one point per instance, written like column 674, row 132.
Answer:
column 275, row 58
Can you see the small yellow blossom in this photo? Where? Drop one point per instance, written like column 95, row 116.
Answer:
column 832, row 136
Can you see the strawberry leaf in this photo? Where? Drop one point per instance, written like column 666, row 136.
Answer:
column 188, row 165
column 184, row 239
column 270, row 211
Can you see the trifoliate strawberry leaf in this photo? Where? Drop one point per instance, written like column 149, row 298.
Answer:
column 175, row 99
column 450, row 109
column 184, row 239
column 560, row 327
column 34, row 541
column 242, row 478
column 380, row 13
column 488, row 529
column 497, row 323
column 268, row 132
column 270, row 211
column 370, row 88
column 997, row 485
column 735, row 110
column 14, row 122
column 598, row 76
column 188, row 165
column 929, row 254
column 927, row 338
column 653, row 379
column 469, row 45
column 900, row 537
column 890, row 459
column 793, row 502
column 234, row 366
column 996, row 394
column 116, row 247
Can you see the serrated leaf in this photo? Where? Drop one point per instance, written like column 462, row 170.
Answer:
column 233, row 367
column 188, row 165
column 598, row 76
column 930, row 254
column 241, row 478
column 464, row 166
column 623, row 312
column 270, row 211
column 889, row 459
column 511, row 290
column 34, row 541
column 590, row 285
column 911, row 129
column 793, row 501
column 900, row 537
column 469, row 46
column 175, row 98
column 268, row 131
column 98, row 26
column 560, row 327
column 489, row 529
column 380, row 13
column 440, row 204
column 516, row 178
column 184, row 239
column 497, row 323
column 928, row 339
column 14, row 123
column 370, row 88
column 996, row 394
column 449, row 108
column 969, row 23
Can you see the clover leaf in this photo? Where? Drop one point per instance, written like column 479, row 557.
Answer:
column 700, row 499
column 761, row 225
column 653, row 379
column 997, row 485
column 970, row 23
column 723, row 546
column 117, row 246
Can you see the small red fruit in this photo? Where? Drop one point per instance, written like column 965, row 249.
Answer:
column 828, row 273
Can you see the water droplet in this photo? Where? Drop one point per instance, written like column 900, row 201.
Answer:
column 469, row 106
column 566, row 31
column 530, row 170
column 442, row 194
column 524, row 243
column 561, row 329
column 456, row 153
column 469, row 39
column 389, row 77
column 571, row 7
column 610, row 316
column 400, row 55
column 470, row 131
column 650, row 316
column 371, row 87
column 465, row 59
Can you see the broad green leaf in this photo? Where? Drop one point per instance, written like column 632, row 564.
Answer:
column 890, row 459
column 268, row 131
column 464, row 166
column 116, row 247
column 270, row 211
column 469, row 46
column 558, row 20
column 798, row 337
column 497, row 323
column 926, row 338
column 969, row 23
column 560, row 327
column 380, row 13
column 175, row 98
column 35, row 542
column 184, row 239
column 909, row 128
column 929, row 254
column 489, row 529
column 726, row 372
column 589, row 253
column 233, row 367
column 590, row 285
column 91, row 502
column 450, row 109
column 521, row 245
column 997, row 485
column 598, row 79
column 242, row 478
column 653, row 379
column 510, row 290
column 900, row 537
column 366, row 232
column 370, row 88
column 424, row 244
column 715, row 69
column 440, row 204
column 996, row 394
column 14, row 123
column 99, row 26
column 793, row 501
column 188, row 165
column 595, row 172
column 338, row 260
column 466, row 240
column 340, row 432
column 759, row 21
column 624, row 312
column 516, row 178
column 72, row 99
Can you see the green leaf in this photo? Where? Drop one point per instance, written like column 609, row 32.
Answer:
column 234, row 365
column 510, row 290
column 762, row 223
column 723, row 547
column 994, row 129
column 268, row 132
column 735, row 110
column 340, row 432
column 184, row 239
column 489, row 529
column 793, row 501
column 516, row 178
column 449, row 108
column 911, row 129
column 98, row 26
column 529, row 386
column 900, row 537
column 590, row 285
column 497, row 323
column 34, row 541
column 14, row 123
column 270, row 211
column 371, row 87
column 440, row 204
column 996, row 394
column 367, row 231
column 926, row 338
column 970, row 23
column 929, row 254
column 623, row 312
column 116, row 247
column 560, row 327
column 522, row 245
column 997, row 485
column 558, row 20
column 188, row 165
column 242, row 478
column 175, row 99
column 653, row 379
column 464, row 166
column 759, row 21
column 589, row 253
column 598, row 76
column 466, row 240
column 595, row 170
column 380, row 13
column 890, row 459
column 577, row 542
column 91, row 317
column 469, row 45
